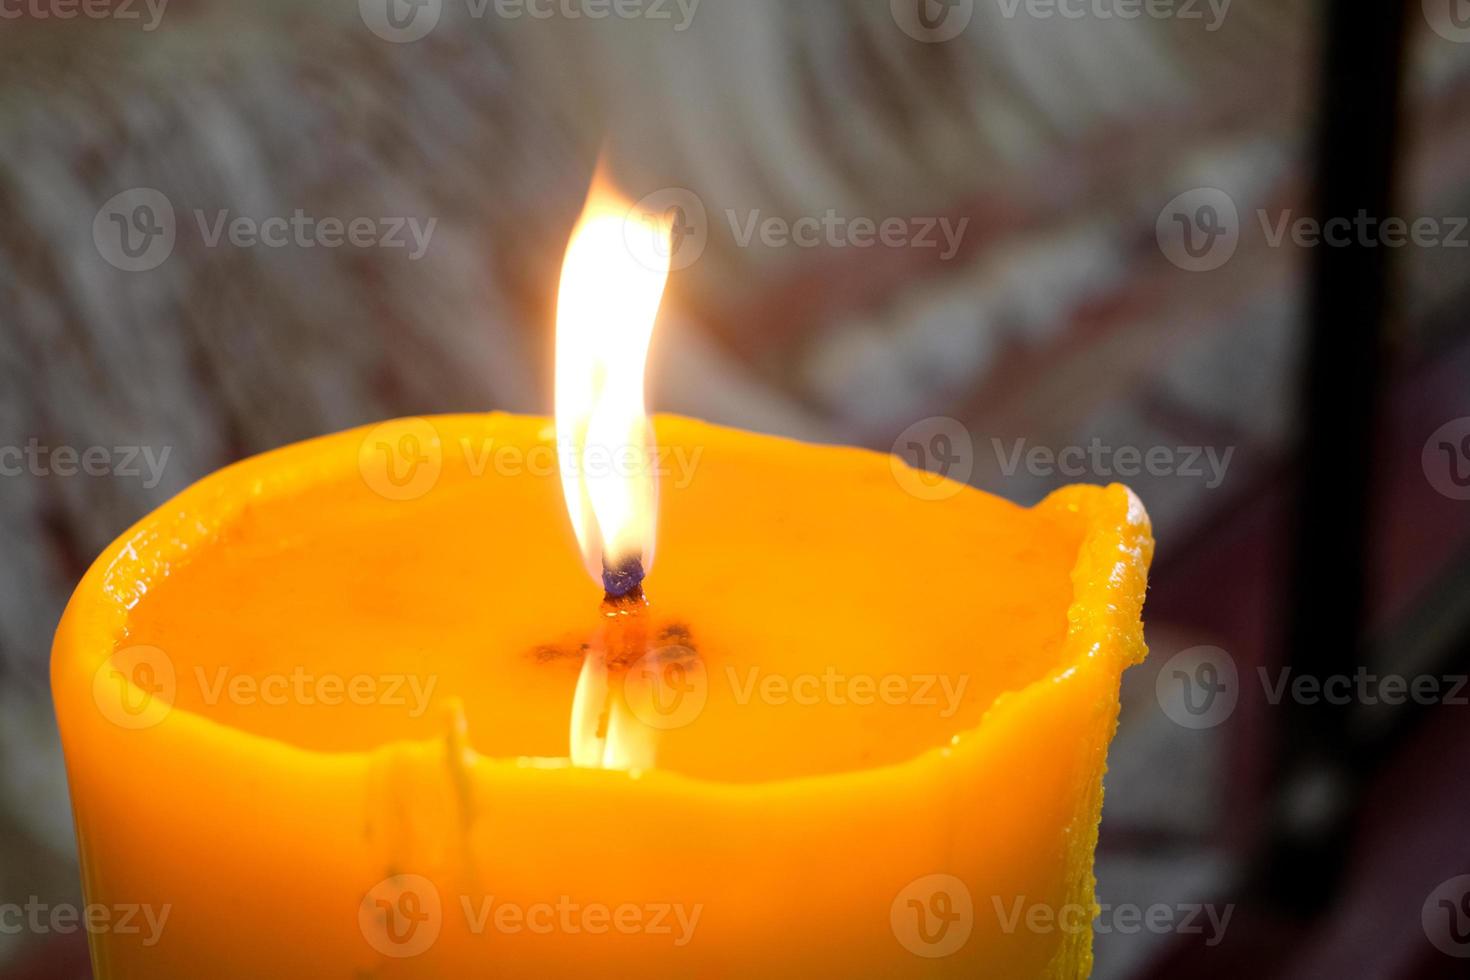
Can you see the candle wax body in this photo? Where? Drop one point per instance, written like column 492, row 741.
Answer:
column 317, row 706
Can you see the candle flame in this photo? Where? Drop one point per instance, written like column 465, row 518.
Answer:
column 612, row 281
column 606, row 734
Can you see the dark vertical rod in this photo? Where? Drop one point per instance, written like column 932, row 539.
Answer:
column 1361, row 76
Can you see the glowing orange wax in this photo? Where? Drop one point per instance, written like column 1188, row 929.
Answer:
column 850, row 835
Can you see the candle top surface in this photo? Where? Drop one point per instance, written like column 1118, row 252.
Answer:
column 335, row 601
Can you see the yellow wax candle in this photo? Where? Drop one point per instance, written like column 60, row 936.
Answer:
column 315, row 716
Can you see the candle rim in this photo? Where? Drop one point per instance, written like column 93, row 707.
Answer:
column 1114, row 552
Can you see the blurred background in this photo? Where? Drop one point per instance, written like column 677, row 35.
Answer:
column 1027, row 242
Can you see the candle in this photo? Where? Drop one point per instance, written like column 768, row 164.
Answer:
column 356, row 708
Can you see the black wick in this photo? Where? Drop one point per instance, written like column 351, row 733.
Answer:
column 623, row 580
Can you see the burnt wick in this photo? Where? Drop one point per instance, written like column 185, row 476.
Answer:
column 624, row 608
column 622, row 581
